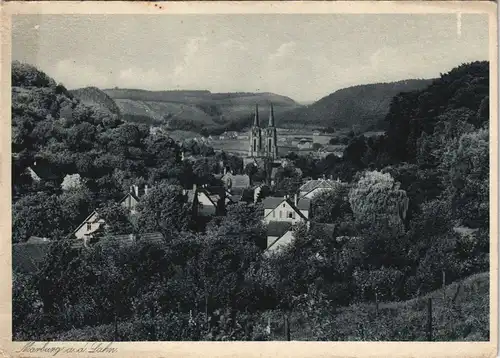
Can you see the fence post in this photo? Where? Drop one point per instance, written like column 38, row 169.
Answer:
column 429, row 319
column 206, row 308
column 115, row 309
column 116, row 327
column 287, row 328
column 444, row 285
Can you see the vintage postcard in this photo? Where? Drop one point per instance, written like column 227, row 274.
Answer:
column 303, row 179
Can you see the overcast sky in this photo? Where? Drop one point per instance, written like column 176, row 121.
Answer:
column 302, row 56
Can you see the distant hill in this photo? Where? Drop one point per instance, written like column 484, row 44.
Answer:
column 94, row 96
column 364, row 106
column 195, row 110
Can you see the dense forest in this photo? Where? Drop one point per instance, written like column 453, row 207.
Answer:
column 413, row 206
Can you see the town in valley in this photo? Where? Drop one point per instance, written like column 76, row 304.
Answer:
column 204, row 203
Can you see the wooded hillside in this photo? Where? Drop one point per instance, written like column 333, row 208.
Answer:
column 363, row 106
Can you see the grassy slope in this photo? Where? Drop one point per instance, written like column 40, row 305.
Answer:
column 467, row 319
column 189, row 105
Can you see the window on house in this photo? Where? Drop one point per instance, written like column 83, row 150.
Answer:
column 270, row 143
column 89, row 226
column 289, row 214
column 280, row 214
column 283, row 205
column 293, row 215
column 274, row 214
column 255, row 145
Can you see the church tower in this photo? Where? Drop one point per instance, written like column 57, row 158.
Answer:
column 271, row 144
column 255, row 136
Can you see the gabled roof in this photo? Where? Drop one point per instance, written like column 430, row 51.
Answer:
column 131, row 194
column 278, row 228
column 279, row 242
column 42, row 171
column 273, row 202
column 303, row 204
column 319, row 183
column 34, row 176
column 86, row 219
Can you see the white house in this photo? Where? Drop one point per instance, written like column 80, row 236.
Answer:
column 93, row 222
column 286, row 210
column 89, row 226
column 206, row 205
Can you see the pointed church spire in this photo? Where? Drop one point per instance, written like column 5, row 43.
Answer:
column 271, row 117
column 256, row 118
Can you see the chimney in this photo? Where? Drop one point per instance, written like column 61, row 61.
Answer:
column 131, row 188
column 146, row 189
column 295, row 199
column 256, row 194
column 136, row 189
column 194, row 187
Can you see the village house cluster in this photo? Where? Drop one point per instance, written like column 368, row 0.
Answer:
column 279, row 213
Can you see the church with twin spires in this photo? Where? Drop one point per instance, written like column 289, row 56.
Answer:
column 263, row 141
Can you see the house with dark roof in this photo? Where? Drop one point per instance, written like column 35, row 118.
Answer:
column 235, row 183
column 285, row 209
column 206, row 201
column 279, row 234
column 28, row 257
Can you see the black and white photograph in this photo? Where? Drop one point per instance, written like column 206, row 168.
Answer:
column 251, row 177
